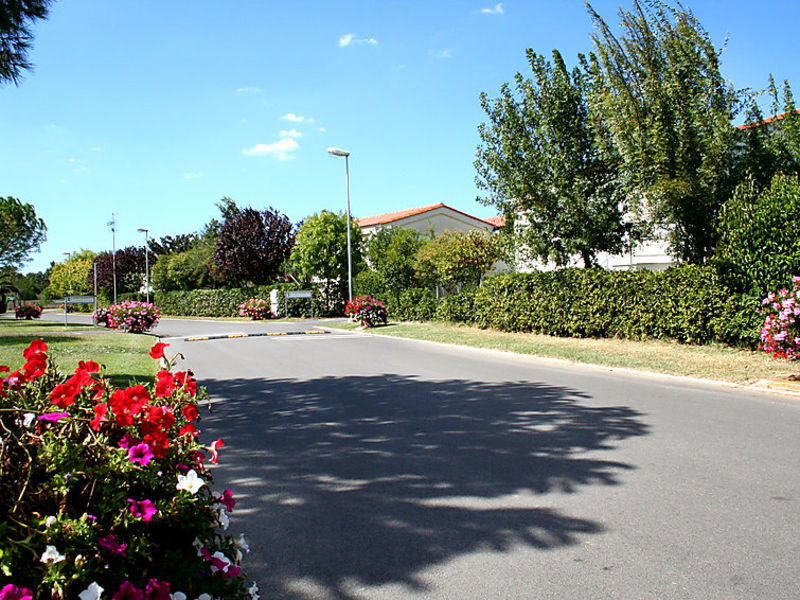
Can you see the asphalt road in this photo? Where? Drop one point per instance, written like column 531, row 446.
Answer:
column 368, row 467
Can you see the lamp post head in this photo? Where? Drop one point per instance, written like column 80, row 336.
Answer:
column 338, row 152
column 142, row 229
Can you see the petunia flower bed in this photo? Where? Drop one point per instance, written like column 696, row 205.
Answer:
column 130, row 316
column 105, row 493
column 367, row 310
column 28, row 311
column 780, row 334
column 257, row 309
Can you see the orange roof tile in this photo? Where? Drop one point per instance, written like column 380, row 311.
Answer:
column 765, row 121
column 391, row 217
column 498, row 221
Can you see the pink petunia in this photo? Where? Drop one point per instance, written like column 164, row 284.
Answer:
column 54, row 416
column 144, row 509
column 12, row 592
column 140, row 454
column 111, row 544
column 227, row 500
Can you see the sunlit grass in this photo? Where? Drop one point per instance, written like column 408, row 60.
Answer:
column 715, row 361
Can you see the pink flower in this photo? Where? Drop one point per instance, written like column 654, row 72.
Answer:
column 140, row 454
column 144, row 509
column 110, row 543
column 128, row 591
column 156, row 590
column 12, row 592
column 227, row 500
column 54, row 416
column 127, row 441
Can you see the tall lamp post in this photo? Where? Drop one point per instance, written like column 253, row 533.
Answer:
column 339, row 152
column 69, row 276
column 146, row 263
column 113, row 225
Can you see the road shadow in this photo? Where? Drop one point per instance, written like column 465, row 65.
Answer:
column 348, row 481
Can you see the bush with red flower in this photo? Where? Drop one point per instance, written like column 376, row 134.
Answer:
column 780, row 334
column 367, row 310
column 130, row 316
column 28, row 311
column 104, row 492
column 257, row 309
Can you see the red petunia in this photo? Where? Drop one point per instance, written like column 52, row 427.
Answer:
column 88, row 366
column 100, row 411
column 64, row 394
column 190, row 412
column 35, row 347
column 157, row 351
column 165, row 384
column 214, row 448
column 188, row 429
column 184, row 379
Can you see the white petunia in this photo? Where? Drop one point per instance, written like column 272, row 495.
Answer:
column 222, row 517
column 190, row 482
column 51, row 556
column 226, row 562
column 27, row 419
column 242, row 543
column 178, row 596
column 49, row 521
column 254, row 591
column 204, row 596
column 93, row 592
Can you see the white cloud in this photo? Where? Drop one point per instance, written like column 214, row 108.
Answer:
column 497, row 9
column 292, row 133
column 193, row 175
column 350, row 39
column 281, row 150
column 322, row 130
column 446, row 53
column 248, row 90
column 297, row 118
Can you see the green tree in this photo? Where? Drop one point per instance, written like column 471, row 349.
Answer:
column 320, row 256
column 16, row 19
column 391, row 255
column 458, row 260
column 539, row 159
column 668, row 110
column 21, row 232
column 73, row 276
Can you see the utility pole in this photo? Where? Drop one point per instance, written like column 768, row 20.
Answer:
column 113, row 225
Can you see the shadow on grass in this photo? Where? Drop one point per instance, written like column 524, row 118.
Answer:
column 365, row 481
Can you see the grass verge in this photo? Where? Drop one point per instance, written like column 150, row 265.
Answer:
column 718, row 362
column 125, row 356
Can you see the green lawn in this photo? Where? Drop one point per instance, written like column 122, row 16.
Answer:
column 717, row 362
column 125, row 356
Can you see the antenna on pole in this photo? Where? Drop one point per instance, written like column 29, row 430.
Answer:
column 113, row 225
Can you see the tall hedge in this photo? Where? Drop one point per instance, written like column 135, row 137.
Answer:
column 686, row 303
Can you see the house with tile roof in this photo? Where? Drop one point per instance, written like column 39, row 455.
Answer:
column 432, row 219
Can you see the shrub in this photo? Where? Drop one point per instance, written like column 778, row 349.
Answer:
column 366, row 309
column 415, row 304
column 457, row 308
column 687, row 303
column 780, row 334
column 255, row 308
column 28, row 311
column 131, row 316
column 105, row 491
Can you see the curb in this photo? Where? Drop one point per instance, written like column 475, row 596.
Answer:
column 766, row 386
column 198, row 338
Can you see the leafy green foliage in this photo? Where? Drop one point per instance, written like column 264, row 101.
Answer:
column 759, row 244
column 457, row 308
column 16, row 20
column 540, row 159
column 320, row 255
column 456, row 259
column 414, row 304
column 73, row 276
column 390, row 253
column 173, row 244
column 668, row 110
column 21, row 231
column 687, row 303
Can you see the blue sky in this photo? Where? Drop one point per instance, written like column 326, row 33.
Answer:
column 155, row 110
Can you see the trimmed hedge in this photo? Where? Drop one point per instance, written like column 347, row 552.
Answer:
column 686, row 303
column 457, row 308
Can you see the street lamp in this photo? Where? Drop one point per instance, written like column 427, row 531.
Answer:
column 146, row 263
column 69, row 277
column 335, row 152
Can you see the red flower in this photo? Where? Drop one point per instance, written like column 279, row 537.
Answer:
column 35, row 347
column 100, row 411
column 158, row 442
column 4, row 369
column 188, row 429
column 157, row 351
column 184, row 379
column 227, row 499
column 165, row 384
column 190, row 412
column 89, row 367
column 64, row 394
column 214, row 450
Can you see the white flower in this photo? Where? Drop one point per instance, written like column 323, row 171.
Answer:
column 222, row 518
column 93, row 592
column 178, row 596
column 190, row 482
column 198, row 545
column 242, row 543
column 27, row 419
column 204, row 597
column 49, row 521
column 51, row 556
column 254, row 591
